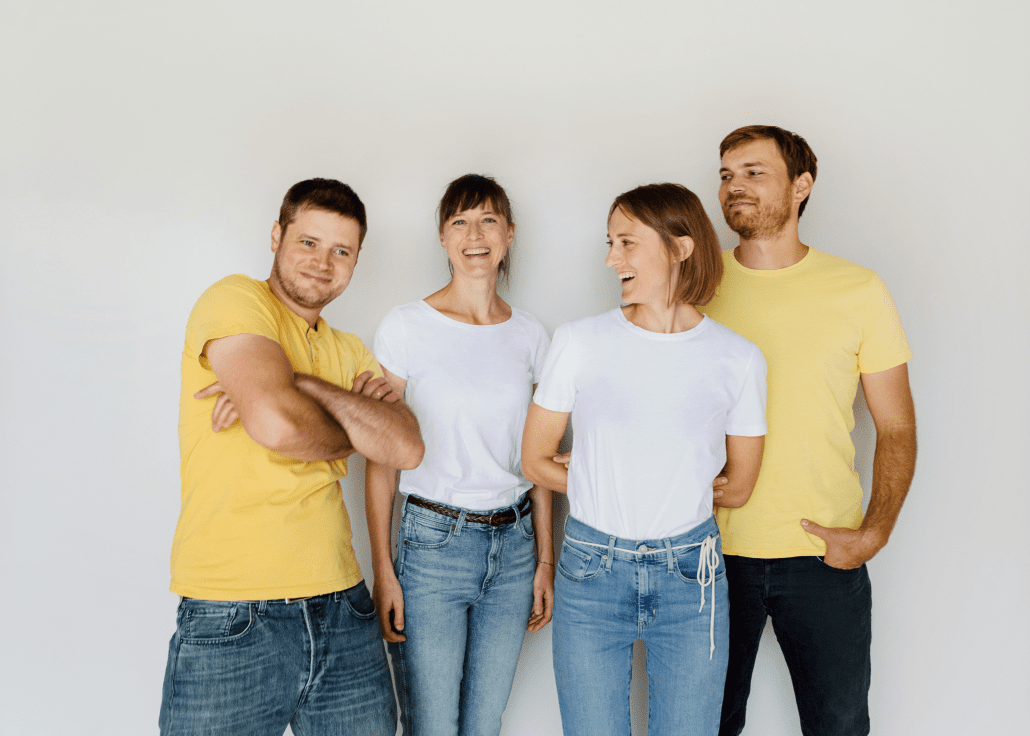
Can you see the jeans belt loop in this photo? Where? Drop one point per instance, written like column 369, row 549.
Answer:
column 460, row 523
column 611, row 554
column 262, row 607
column 668, row 552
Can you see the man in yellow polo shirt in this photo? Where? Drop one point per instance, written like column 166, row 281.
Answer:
column 796, row 552
column 275, row 625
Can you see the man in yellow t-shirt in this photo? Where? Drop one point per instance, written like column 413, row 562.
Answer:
column 275, row 625
column 796, row 552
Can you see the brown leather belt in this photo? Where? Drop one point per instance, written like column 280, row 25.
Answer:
column 495, row 519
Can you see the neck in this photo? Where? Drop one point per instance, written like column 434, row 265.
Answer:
column 308, row 315
column 473, row 301
column 776, row 251
column 665, row 318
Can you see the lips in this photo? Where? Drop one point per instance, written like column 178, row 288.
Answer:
column 468, row 252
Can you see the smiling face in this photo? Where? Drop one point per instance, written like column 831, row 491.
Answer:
column 476, row 240
column 757, row 196
column 641, row 260
column 314, row 260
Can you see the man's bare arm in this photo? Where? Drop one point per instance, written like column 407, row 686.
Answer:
column 384, row 431
column 889, row 398
column 258, row 379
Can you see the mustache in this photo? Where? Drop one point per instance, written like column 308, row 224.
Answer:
column 738, row 198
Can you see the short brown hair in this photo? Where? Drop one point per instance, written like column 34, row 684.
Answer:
column 794, row 149
column 471, row 191
column 322, row 194
column 673, row 211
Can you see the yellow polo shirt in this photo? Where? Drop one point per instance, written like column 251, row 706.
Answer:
column 255, row 524
column 820, row 324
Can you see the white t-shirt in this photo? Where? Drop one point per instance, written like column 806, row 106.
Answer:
column 470, row 388
column 650, row 415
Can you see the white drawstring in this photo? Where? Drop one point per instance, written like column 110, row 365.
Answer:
column 706, row 566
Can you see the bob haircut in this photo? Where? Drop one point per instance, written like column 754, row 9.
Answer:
column 322, row 194
column 471, row 191
column 673, row 211
column 794, row 149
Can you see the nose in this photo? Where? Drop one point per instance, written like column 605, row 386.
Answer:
column 475, row 231
column 323, row 259
column 733, row 184
column 613, row 258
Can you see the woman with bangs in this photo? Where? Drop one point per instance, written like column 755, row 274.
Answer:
column 663, row 399
column 474, row 567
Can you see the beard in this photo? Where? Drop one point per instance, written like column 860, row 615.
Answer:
column 763, row 221
column 305, row 299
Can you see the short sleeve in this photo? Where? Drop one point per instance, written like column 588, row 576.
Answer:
column 390, row 344
column 747, row 417
column 883, row 339
column 233, row 306
column 557, row 387
column 539, row 343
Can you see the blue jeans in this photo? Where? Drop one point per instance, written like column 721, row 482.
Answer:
column 254, row 667
column 822, row 617
column 468, row 593
column 609, row 592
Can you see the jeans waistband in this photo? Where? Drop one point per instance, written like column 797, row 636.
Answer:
column 705, row 535
column 469, row 517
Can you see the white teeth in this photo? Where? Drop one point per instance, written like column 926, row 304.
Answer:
column 625, row 276
column 476, row 251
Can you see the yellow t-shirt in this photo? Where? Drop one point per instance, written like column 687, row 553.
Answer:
column 254, row 524
column 820, row 323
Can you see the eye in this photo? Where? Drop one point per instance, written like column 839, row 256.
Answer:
column 724, row 177
column 458, row 222
column 308, row 243
column 342, row 252
column 754, row 173
column 489, row 219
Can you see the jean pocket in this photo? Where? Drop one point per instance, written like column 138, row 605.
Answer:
column 526, row 526
column 214, row 622
column 687, row 566
column 426, row 535
column 839, row 570
column 360, row 602
column 578, row 564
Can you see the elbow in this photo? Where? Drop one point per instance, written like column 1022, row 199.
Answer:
column 413, row 453
column 529, row 470
column 272, row 430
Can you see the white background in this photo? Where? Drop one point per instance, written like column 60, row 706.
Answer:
column 144, row 150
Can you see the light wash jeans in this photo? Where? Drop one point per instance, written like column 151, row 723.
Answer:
column 254, row 667
column 468, row 594
column 609, row 592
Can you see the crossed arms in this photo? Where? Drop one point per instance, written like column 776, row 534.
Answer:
column 302, row 416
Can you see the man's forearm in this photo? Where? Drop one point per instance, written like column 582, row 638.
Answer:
column 384, row 432
column 894, row 465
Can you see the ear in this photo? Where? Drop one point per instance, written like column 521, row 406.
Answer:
column 277, row 234
column 684, row 247
column 803, row 187
column 511, row 233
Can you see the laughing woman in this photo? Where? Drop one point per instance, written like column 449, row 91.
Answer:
column 661, row 399
column 467, row 581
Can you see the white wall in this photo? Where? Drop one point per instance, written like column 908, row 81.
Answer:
column 144, row 149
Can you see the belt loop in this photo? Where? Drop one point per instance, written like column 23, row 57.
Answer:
column 668, row 552
column 262, row 607
column 611, row 554
column 460, row 523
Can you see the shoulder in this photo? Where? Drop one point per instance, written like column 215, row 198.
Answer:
column 235, row 287
column 834, row 267
column 730, row 340
column 528, row 323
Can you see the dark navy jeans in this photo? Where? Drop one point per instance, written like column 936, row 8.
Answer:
column 822, row 617
column 254, row 667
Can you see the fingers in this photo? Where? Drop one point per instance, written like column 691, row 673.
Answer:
column 214, row 388
column 565, row 458
column 391, row 618
column 360, row 381
column 720, row 480
column 374, row 388
column 812, row 528
column 224, row 414
column 543, row 598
